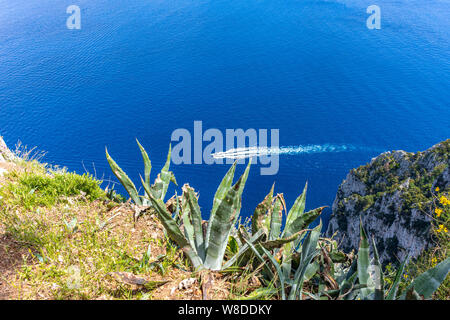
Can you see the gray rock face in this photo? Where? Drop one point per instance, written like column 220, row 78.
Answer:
column 393, row 196
column 5, row 153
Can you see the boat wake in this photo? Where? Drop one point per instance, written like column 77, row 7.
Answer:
column 242, row 153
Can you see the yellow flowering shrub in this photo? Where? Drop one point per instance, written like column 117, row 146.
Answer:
column 440, row 224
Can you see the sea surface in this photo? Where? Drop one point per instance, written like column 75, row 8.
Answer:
column 338, row 92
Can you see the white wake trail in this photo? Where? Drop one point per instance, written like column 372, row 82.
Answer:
column 242, row 153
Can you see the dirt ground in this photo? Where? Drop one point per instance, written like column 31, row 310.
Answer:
column 11, row 258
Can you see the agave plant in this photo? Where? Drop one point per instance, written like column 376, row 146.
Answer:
column 283, row 246
column 371, row 275
column 307, row 253
column 205, row 250
column 158, row 189
column 266, row 229
column 364, row 279
column 268, row 217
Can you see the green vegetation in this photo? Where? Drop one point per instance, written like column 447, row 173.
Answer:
column 158, row 189
column 205, row 250
column 441, row 239
column 397, row 188
column 44, row 187
column 72, row 240
column 296, row 265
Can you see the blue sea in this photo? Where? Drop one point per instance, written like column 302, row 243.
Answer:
column 144, row 68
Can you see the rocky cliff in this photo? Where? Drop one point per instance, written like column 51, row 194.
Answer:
column 393, row 195
column 5, row 153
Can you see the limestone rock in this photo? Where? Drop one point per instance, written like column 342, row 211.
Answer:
column 5, row 153
column 393, row 195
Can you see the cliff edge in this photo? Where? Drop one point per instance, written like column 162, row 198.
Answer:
column 393, row 194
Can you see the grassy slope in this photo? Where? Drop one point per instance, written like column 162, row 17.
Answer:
column 70, row 242
column 62, row 238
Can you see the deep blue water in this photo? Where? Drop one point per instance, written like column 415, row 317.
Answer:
column 145, row 68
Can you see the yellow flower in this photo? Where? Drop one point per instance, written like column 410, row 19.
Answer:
column 405, row 276
column 438, row 212
column 437, row 189
column 442, row 228
column 443, row 200
column 434, row 260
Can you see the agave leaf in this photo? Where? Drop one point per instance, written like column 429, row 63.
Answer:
column 429, row 281
column 363, row 261
column 348, row 284
column 311, row 270
column 197, row 220
column 309, row 252
column 243, row 250
column 299, row 224
column 350, row 278
column 276, row 219
column 296, row 210
column 302, row 221
column 278, row 243
column 241, row 190
column 164, row 178
column 398, row 277
column 174, row 232
column 260, row 212
column 308, row 218
column 279, row 271
column 232, row 246
column 221, row 191
column 176, row 215
column 243, row 234
column 147, row 163
column 379, row 278
column 221, row 227
column 260, row 258
column 124, row 179
column 349, row 291
column 287, row 259
column 187, row 224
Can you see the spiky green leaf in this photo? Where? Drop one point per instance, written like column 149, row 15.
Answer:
column 124, row 179
column 147, row 163
column 429, row 281
column 175, row 233
column 363, row 261
column 260, row 213
column 221, row 227
column 309, row 252
column 221, row 191
column 278, row 243
column 164, row 178
column 398, row 277
column 244, row 249
column 196, row 220
column 278, row 270
column 276, row 218
column 296, row 211
column 378, row 274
